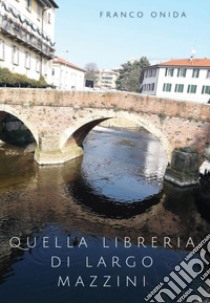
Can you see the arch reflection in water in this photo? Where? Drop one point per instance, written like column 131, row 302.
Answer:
column 121, row 175
column 105, row 206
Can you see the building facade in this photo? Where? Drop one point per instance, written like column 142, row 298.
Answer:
column 27, row 37
column 183, row 79
column 106, row 78
column 67, row 76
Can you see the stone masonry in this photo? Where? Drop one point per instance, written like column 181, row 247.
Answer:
column 60, row 120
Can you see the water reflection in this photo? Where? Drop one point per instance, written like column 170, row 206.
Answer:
column 131, row 166
column 106, row 207
column 76, row 200
column 122, row 183
column 203, row 199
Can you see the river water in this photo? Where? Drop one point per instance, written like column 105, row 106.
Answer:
column 105, row 227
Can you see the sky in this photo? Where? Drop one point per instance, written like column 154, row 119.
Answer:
column 93, row 31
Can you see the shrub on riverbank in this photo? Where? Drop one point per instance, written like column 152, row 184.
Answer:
column 9, row 79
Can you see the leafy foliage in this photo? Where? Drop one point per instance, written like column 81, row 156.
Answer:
column 9, row 79
column 131, row 75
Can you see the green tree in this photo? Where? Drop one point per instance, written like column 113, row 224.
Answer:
column 131, row 75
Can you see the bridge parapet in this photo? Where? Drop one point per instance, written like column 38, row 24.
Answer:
column 131, row 102
column 54, row 116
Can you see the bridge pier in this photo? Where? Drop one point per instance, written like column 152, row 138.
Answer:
column 49, row 153
column 184, row 168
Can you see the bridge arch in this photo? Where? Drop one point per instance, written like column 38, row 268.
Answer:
column 84, row 126
column 19, row 115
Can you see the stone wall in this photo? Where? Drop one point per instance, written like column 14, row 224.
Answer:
column 116, row 100
column 54, row 116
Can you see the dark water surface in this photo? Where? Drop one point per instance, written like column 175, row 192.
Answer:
column 106, row 220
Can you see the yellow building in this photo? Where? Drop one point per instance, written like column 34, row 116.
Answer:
column 27, row 37
column 106, row 78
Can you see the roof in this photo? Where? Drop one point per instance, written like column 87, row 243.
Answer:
column 54, row 4
column 190, row 62
column 67, row 63
column 49, row 3
column 111, row 71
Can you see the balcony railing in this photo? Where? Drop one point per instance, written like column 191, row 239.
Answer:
column 17, row 32
column 21, row 29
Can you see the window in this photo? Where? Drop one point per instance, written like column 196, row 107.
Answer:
column 179, row 88
column 181, row 72
column 49, row 18
column 38, row 65
column 38, row 10
column 2, row 49
column 208, row 73
column 150, row 87
column 167, row 87
column 205, row 90
column 195, row 73
column 53, row 72
column 15, row 55
column 28, row 4
column 27, row 60
column 192, row 89
column 151, row 72
column 169, row 72
column 45, row 63
column 106, row 78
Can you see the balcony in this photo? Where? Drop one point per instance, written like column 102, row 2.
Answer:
column 16, row 26
column 18, row 33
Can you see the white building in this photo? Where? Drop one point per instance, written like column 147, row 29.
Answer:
column 106, row 78
column 27, row 36
column 67, row 76
column 183, row 79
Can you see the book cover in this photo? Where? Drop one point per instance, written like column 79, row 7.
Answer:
column 104, row 151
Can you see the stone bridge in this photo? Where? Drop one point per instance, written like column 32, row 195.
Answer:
column 60, row 120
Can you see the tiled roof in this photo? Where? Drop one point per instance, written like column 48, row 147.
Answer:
column 54, row 3
column 205, row 62
column 49, row 3
column 67, row 63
